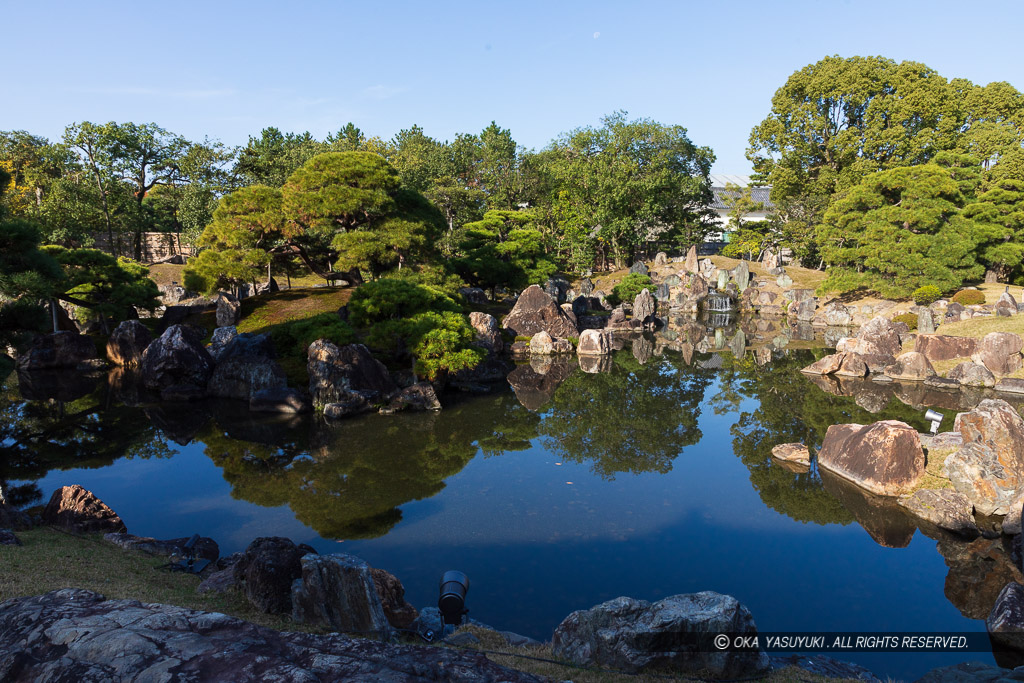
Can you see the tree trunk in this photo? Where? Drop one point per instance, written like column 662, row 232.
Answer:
column 53, row 314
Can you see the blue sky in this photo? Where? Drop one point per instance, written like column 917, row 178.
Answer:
column 228, row 69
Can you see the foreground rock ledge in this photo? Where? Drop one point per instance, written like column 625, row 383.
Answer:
column 74, row 634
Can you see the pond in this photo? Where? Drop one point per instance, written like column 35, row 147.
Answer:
column 647, row 475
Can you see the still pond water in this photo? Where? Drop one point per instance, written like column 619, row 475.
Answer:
column 567, row 488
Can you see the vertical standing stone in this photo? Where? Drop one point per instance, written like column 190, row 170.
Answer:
column 925, row 322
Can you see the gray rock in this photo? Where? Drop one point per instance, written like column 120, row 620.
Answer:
column 349, row 374
column 911, row 366
column 999, row 352
column 222, row 336
column 488, row 331
column 644, row 307
column 639, row 267
column 945, row 508
column 266, row 571
column 925, row 321
column 473, row 295
column 78, row 635
column 741, row 275
column 837, row 315
column 594, row 343
column 419, row 396
column 229, row 310
column 534, row 311
column 246, row 366
column 1010, row 385
column 204, row 548
column 176, row 358
column 826, row 667
column 338, row 591
column 635, row 635
column 222, row 581
column 971, row 374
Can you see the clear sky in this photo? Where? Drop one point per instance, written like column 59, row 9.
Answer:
column 228, row 69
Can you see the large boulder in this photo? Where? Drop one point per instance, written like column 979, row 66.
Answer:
column 911, row 366
column 339, row 375
column 844, row 364
column 57, row 350
column 78, row 635
column 488, row 331
column 177, row 357
column 885, row 458
column 473, row 296
column 418, row 396
column 594, row 343
column 945, row 347
column 128, row 342
column 222, row 336
column 644, row 307
column 266, row 571
column 77, row 509
column 879, row 336
column 245, row 366
column 691, row 265
column 635, row 636
column 837, row 315
column 398, row 611
column 536, row 311
column 542, row 344
column 229, row 310
column 975, row 471
column 337, row 591
column 999, row 352
column 971, row 374
column 996, row 424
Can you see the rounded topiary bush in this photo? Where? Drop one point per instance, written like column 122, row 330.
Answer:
column 928, row 294
column 629, row 288
column 969, row 297
column 909, row 318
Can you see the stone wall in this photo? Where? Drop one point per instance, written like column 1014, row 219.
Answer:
column 156, row 246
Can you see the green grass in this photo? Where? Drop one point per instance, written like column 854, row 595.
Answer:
column 262, row 313
column 979, row 327
column 50, row 560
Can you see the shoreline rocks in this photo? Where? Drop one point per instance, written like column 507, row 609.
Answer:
column 885, row 458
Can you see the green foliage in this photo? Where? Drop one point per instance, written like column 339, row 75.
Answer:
column 909, row 318
column 20, row 320
column 629, row 287
column 25, row 271
column 293, row 338
column 394, row 299
column 998, row 217
column 627, row 181
column 340, row 191
column 402, row 318
column 504, row 249
column 898, row 230
column 926, row 295
column 969, row 297
column 108, row 287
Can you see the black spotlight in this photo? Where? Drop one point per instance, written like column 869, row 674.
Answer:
column 452, row 602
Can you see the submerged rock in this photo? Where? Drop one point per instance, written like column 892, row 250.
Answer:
column 636, row 635
column 792, row 452
column 945, row 508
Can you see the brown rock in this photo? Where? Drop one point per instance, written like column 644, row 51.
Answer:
column 690, row 265
column 851, row 365
column 978, row 571
column 76, row 509
column 419, row 396
column 535, row 311
column 996, row 424
column 594, row 343
column 792, row 452
column 911, row 366
column 825, row 366
column 945, row 347
column 945, row 508
column 541, row 344
column 880, row 336
column 399, row 613
column 128, row 342
column 999, row 352
column 885, row 458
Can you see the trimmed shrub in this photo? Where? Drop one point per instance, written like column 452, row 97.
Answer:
column 629, row 288
column 909, row 318
column 394, row 299
column 969, row 297
column 926, row 295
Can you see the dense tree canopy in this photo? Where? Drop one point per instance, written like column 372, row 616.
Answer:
column 898, row 230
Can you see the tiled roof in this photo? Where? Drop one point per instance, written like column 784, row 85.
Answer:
column 758, row 194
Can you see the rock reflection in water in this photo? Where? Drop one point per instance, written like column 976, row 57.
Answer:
column 535, row 384
column 62, row 385
column 885, row 521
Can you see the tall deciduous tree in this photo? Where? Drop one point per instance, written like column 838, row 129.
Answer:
column 898, row 230
column 635, row 183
